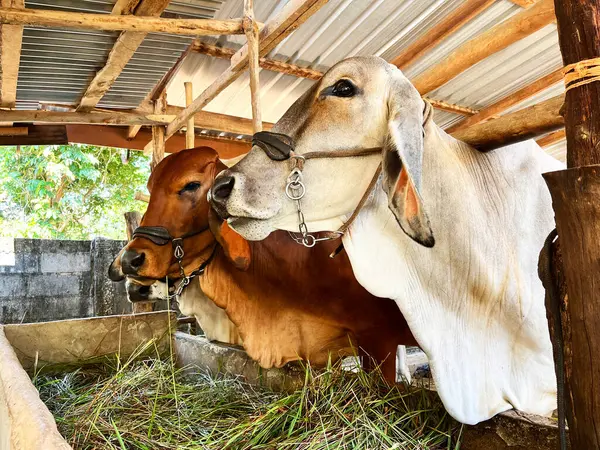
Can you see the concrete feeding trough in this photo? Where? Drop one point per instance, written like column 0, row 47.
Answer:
column 26, row 423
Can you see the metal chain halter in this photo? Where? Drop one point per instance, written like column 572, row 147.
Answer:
column 280, row 147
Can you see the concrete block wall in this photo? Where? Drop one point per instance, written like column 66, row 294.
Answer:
column 53, row 280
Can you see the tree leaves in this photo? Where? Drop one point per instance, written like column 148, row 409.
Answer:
column 68, row 191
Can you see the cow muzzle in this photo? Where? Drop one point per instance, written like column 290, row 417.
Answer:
column 138, row 293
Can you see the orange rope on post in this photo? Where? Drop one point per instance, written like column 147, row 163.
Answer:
column 582, row 73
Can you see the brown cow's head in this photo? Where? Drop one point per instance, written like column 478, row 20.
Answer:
column 178, row 188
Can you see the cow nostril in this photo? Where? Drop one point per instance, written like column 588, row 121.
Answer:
column 144, row 290
column 222, row 188
column 138, row 261
column 132, row 261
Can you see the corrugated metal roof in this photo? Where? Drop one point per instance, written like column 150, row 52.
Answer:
column 344, row 28
column 58, row 64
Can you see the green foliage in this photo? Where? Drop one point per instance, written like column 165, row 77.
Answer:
column 68, row 191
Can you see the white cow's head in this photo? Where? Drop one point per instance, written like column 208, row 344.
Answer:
column 359, row 103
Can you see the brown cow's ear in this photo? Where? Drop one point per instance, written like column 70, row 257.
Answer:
column 237, row 249
column 403, row 160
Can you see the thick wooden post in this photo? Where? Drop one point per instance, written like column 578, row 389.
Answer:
column 189, row 132
column 576, row 201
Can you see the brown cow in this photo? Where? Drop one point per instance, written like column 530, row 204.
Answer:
column 288, row 302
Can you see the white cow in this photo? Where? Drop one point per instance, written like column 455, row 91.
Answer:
column 463, row 272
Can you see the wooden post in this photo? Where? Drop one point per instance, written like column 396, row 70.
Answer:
column 158, row 134
column 576, row 201
column 132, row 221
column 189, row 133
column 251, row 30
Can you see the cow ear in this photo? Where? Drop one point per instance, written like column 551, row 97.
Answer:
column 237, row 249
column 403, row 160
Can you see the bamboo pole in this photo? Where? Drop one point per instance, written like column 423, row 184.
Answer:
column 104, row 22
column 189, row 133
column 251, row 30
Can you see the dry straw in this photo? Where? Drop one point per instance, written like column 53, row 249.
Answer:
column 152, row 405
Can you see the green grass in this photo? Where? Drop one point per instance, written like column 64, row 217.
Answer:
column 151, row 405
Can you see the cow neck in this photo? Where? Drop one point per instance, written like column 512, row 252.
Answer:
column 280, row 147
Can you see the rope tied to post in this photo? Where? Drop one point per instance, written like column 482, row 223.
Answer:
column 581, row 73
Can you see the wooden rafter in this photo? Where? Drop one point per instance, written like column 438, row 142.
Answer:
column 11, row 37
column 524, row 3
column 486, row 44
column 293, row 14
column 99, row 118
column 311, row 74
column 267, row 64
column 451, row 107
column 499, row 107
column 157, row 90
column 103, row 22
column 451, row 23
column 524, row 124
column 123, row 50
column 203, row 119
column 552, row 138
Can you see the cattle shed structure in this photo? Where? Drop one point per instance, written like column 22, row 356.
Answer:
column 135, row 73
column 475, row 60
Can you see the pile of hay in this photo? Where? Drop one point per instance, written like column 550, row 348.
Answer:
column 152, row 405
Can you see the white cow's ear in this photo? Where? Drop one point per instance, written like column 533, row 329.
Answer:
column 403, row 161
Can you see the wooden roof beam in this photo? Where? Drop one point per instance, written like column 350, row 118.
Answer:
column 311, row 74
column 524, row 3
column 552, row 138
column 499, row 107
column 486, row 44
column 449, row 24
column 103, row 22
column 11, row 37
column 267, row 64
column 123, row 50
column 515, row 127
column 203, row 119
column 293, row 14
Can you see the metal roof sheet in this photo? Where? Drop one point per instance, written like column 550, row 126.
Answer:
column 58, row 64
column 344, row 28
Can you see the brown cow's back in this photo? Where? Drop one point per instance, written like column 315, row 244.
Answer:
column 297, row 302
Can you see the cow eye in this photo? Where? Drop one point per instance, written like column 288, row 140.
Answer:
column 344, row 88
column 190, row 187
